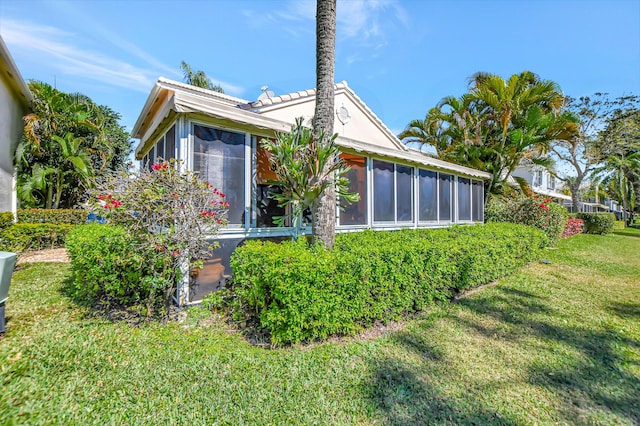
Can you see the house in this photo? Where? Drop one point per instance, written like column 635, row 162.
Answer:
column 15, row 100
column 219, row 136
column 542, row 182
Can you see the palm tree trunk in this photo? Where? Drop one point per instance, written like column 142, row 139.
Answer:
column 324, row 215
column 49, row 196
column 58, row 197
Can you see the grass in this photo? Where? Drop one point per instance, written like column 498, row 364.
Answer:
column 556, row 343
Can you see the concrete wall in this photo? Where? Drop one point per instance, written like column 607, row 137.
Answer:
column 11, row 113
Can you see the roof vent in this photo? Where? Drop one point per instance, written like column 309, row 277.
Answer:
column 266, row 93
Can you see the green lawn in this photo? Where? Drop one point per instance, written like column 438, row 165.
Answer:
column 556, row 343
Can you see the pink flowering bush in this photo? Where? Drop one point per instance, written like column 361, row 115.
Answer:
column 171, row 217
column 574, row 227
column 539, row 212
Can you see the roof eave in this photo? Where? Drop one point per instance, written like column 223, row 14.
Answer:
column 17, row 83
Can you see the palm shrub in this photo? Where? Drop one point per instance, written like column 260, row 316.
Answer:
column 305, row 167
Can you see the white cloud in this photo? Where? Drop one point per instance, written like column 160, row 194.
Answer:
column 52, row 45
column 360, row 21
column 60, row 49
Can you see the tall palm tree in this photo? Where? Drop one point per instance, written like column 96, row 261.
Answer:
column 198, row 78
column 325, row 212
column 495, row 125
column 520, row 111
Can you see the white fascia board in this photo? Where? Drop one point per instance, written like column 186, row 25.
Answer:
column 157, row 120
column 155, row 91
column 550, row 193
column 189, row 103
column 177, row 85
column 414, row 157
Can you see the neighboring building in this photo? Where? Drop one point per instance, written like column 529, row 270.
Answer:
column 15, row 99
column 218, row 135
column 542, row 182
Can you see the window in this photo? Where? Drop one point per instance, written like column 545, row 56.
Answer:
column 537, row 178
column 152, row 157
column 478, row 201
column 428, row 196
column 383, row 191
column 266, row 207
column 404, row 193
column 464, row 199
column 355, row 213
column 551, row 183
column 219, row 157
column 170, row 143
column 160, row 148
column 444, row 209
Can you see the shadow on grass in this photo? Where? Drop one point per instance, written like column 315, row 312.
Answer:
column 627, row 232
column 626, row 310
column 405, row 398
column 590, row 387
column 595, row 380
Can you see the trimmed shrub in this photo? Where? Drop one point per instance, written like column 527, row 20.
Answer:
column 574, row 227
column 107, row 266
column 33, row 236
column 306, row 293
column 619, row 224
column 541, row 213
column 598, row 223
column 6, row 219
column 53, row 216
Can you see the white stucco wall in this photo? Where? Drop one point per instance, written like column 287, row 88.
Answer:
column 11, row 113
column 360, row 127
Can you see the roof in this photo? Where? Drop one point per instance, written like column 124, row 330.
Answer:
column 266, row 104
column 168, row 95
column 12, row 75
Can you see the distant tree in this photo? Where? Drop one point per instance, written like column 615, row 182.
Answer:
column 68, row 142
column 585, row 150
column 325, row 210
column 619, row 145
column 198, row 78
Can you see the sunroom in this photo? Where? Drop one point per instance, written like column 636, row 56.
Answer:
column 219, row 136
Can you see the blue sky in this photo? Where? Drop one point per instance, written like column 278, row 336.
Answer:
column 401, row 57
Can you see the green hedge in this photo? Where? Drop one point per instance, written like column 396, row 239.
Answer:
column 106, row 266
column 6, row 219
column 306, row 293
column 619, row 224
column 598, row 223
column 538, row 212
column 33, row 236
column 53, row 216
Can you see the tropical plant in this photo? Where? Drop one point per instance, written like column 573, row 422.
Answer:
column 68, row 142
column 198, row 78
column 305, row 168
column 496, row 125
column 324, row 211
